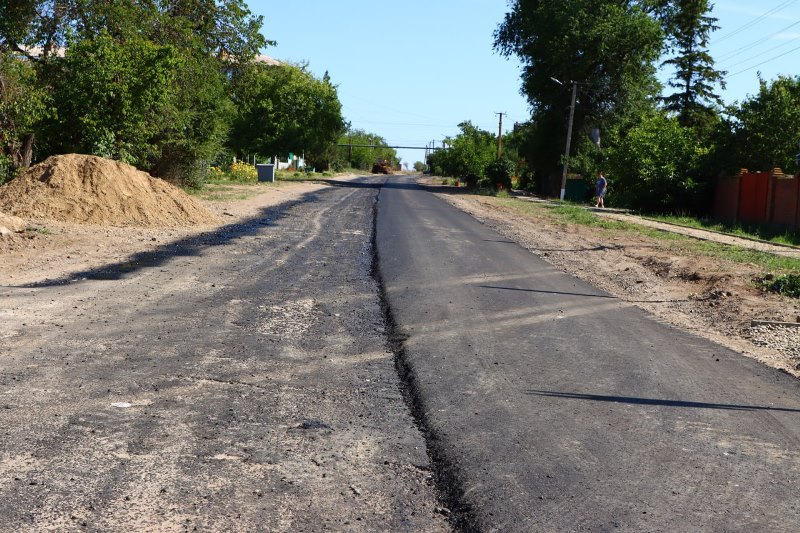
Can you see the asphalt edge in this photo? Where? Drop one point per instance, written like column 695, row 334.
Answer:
column 447, row 477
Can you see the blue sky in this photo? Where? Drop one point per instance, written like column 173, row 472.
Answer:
column 412, row 70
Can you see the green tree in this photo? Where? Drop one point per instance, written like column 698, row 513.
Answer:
column 195, row 124
column 689, row 28
column 467, row 154
column 186, row 122
column 110, row 97
column 225, row 29
column 654, row 166
column 419, row 166
column 765, row 128
column 363, row 155
column 23, row 104
column 609, row 46
column 282, row 109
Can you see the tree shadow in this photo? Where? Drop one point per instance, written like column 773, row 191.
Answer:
column 191, row 246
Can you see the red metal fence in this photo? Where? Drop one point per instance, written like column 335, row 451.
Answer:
column 759, row 198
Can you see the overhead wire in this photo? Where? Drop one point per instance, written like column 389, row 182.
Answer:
column 755, row 21
column 764, row 62
column 765, row 52
column 724, row 57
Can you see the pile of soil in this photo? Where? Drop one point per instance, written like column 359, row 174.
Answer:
column 10, row 224
column 91, row 190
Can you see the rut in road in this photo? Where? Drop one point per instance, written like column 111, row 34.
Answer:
column 240, row 381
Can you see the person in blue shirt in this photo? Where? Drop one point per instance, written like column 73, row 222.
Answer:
column 602, row 186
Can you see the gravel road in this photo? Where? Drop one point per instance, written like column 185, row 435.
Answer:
column 239, row 381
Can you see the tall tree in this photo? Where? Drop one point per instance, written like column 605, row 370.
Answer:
column 609, row 46
column 111, row 97
column 225, row 29
column 689, row 28
column 283, row 109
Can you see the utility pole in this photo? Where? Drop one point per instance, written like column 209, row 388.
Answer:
column 569, row 140
column 500, row 136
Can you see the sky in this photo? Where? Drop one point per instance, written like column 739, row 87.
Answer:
column 411, row 71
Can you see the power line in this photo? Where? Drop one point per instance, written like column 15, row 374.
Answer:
column 401, row 123
column 765, row 52
column 755, row 21
column 729, row 55
column 765, row 62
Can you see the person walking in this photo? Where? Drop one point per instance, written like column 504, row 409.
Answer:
column 602, row 186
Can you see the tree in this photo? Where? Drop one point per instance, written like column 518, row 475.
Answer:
column 282, row 109
column 419, row 166
column 653, row 167
column 155, row 73
column 609, row 46
column 689, row 28
column 110, row 98
column 23, row 103
column 364, row 156
column 765, row 128
column 225, row 29
column 467, row 154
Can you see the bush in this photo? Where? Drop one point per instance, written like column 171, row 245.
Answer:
column 499, row 173
column 243, row 172
column 471, row 180
column 196, row 174
column 6, row 169
column 654, row 168
column 787, row 285
column 526, row 181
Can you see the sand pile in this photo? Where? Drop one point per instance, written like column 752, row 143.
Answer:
column 10, row 224
column 93, row 190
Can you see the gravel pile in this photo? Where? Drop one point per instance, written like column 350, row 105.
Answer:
column 785, row 339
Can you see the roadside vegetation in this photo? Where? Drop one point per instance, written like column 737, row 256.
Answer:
column 176, row 89
column 779, row 272
column 771, row 234
column 661, row 148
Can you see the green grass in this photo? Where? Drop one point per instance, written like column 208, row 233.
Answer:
column 787, row 285
column 220, row 190
column 751, row 231
column 571, row 214
column 39, row 229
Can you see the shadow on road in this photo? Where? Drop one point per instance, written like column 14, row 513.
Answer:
column 653, row 401
column 188, row 247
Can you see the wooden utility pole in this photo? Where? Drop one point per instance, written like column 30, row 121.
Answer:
column 500, row 136
column 569, row 140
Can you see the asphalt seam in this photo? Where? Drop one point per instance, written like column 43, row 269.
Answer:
column 448, row 479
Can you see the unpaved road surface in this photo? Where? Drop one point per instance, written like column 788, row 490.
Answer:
column 552, row 405
column 235, row 381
